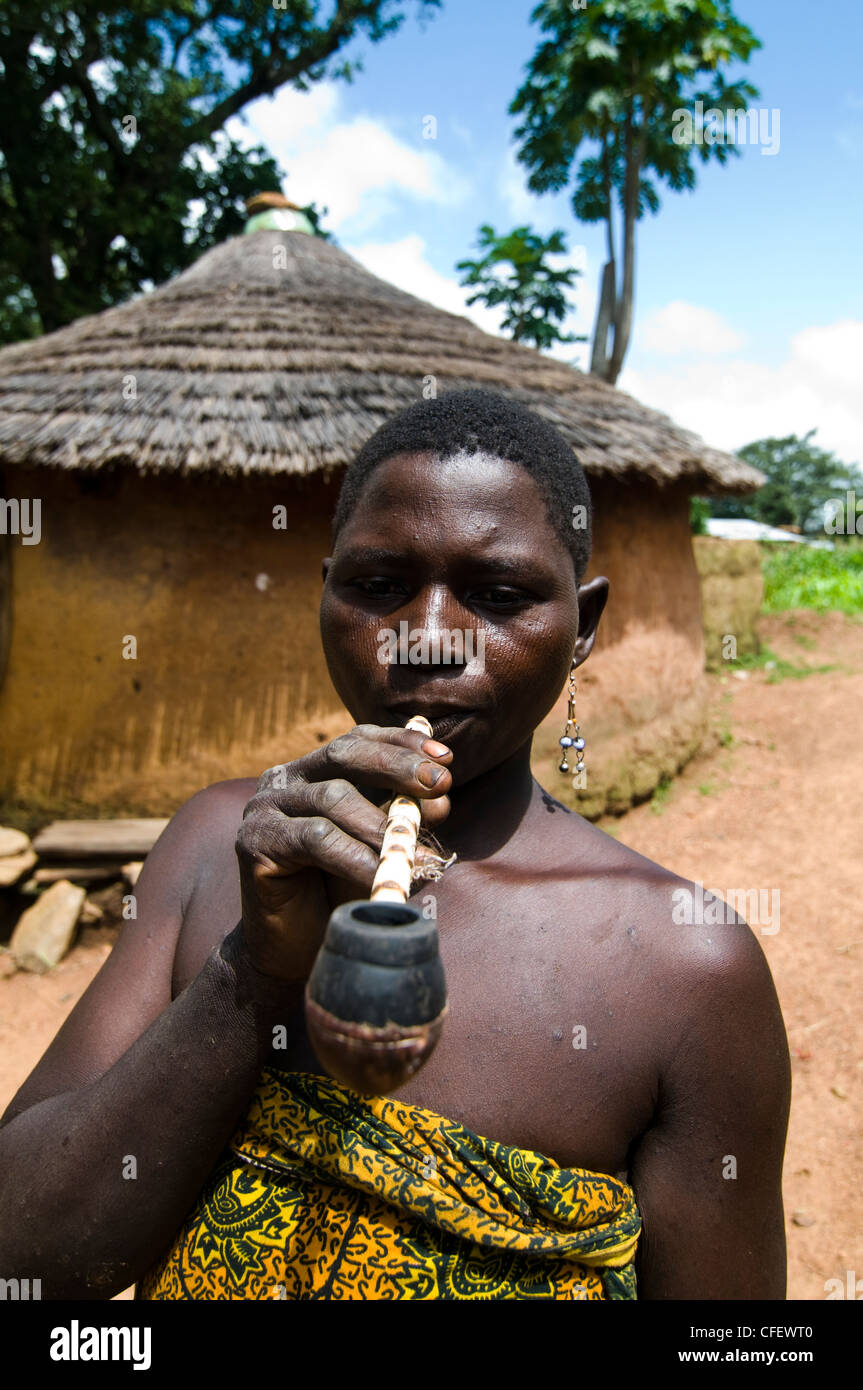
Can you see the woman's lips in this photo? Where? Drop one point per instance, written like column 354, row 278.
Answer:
column 445, row 723
column 445, row 726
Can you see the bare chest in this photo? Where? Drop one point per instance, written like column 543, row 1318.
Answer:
column 544, row 1041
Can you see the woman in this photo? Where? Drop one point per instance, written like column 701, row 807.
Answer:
column 610, row 1095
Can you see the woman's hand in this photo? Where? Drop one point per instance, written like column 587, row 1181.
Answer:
column 309, row 816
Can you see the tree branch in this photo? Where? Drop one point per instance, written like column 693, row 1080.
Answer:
column 102, row 123
column 271, row 76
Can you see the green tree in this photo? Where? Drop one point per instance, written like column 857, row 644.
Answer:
column 618, row 76
column 115, row 170
column 801, row 478
column 316, row 216
column 699, row 511
column 513, row 272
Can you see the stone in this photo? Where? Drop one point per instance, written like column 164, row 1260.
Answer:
column 78, row 873
column 14, row 866
column 123, row 839
column 12, row 841
column 45, row 931
column 803, row 1218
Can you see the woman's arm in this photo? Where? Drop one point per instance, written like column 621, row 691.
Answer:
column 134, row 1083
column 133, row 1076
column 708, row 1173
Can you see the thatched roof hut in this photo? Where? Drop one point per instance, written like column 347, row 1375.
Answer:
column 281, row 354
column 184, row 418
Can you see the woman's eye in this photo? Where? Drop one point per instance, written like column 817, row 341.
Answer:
column 495, row 596
column 376, row 588
column 501, row 597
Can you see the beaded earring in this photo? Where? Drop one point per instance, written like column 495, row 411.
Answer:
column 572, row 733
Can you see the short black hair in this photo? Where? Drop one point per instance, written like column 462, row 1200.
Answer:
column 479, row 420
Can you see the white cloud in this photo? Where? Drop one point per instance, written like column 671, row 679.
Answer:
column 522, row 205
column 362, row 171
column 680, row 328
column 833, row 353
column 585, row 292
column 404, row 263
column 357, row 168
column 734, row 402
column 292, row 112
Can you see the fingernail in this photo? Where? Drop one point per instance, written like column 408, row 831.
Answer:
column 437, row 750
column 428, row 774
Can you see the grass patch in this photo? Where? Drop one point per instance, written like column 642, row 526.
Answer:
column 796, row 576
column 777, row 669
column 661, row 793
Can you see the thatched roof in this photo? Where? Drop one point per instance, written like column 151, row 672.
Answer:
column 277, row 352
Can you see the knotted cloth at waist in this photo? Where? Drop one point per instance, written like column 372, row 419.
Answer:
column 326, row 1194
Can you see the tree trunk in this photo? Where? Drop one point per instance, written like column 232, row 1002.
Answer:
column 604, row 315
column 623, row 307
column 608, row 284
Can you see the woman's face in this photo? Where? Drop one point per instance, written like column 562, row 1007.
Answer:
column 465, row 547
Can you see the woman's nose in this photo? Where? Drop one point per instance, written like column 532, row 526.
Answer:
column 433, row 609
column 442, row 630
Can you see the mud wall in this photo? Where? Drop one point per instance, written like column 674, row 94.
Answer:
column 223, row 610
column 732, row 591
column 228, row 676
column 642, row 693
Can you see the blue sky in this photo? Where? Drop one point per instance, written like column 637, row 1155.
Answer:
column 749, row 298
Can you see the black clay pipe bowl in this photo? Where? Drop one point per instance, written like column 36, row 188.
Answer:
column 376, row 997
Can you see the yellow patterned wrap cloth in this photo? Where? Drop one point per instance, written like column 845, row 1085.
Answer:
column 326, row 1194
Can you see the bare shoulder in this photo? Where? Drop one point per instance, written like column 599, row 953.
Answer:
column 185, row 836
column 701, row 960
column 220, row 806
column 220, row 802
column 210, row 904
column 701, row 1005
column 711, row 1024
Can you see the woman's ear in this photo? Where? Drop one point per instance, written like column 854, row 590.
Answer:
column 592, row 599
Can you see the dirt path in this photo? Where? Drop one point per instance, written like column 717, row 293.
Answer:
column 782, row 807
column 779, row 804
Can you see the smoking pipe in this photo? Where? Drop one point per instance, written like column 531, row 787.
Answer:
column 376, row 997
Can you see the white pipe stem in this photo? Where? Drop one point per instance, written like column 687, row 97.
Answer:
column 392, row 882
